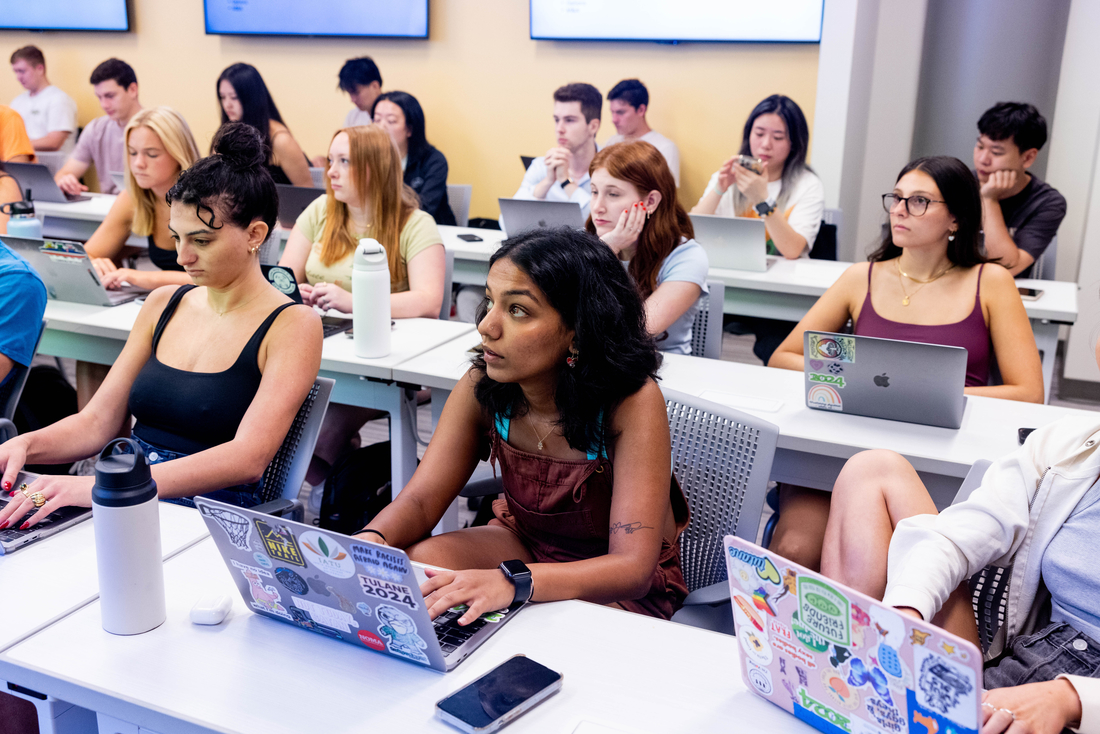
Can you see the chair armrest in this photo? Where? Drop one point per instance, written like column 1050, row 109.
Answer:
column 291, row 509
column 718, row 593
column 483, row 487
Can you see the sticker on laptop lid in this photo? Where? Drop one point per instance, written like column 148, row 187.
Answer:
column 301, row 618
column 827, row 379
column 783, row 639
column 265, row 597
column 832, row 346
column 376, row 561
column 279, row 542
column 388, row 591
column 888, row 717
column 762, row 565
column 400, row 632
column 755, row 645
column 326, row 555
column 837, row 688
column 760, row 677
column 942, row 685
column 824, row 610
column 824, row 397
column 236, row 526
column 292, row 581
column 338, row 619
column 372, row 641
column 818, row 715
column 62, row 252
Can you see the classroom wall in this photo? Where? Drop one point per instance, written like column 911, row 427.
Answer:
column 484, row 85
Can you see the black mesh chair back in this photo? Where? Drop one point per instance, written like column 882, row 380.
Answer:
column 287, row 470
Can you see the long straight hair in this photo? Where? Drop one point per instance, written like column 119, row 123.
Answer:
column 257, row 106
column 175, row 135
column 798, row 133
column 643, row 167
column 414, row 123
column 375, row 167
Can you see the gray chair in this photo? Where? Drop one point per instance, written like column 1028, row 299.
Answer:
column 1045, row 266
column 706, row 332
column 12, row 391
column 448, row 282
column 287, row 470
column 459, row 197
column 722, row 459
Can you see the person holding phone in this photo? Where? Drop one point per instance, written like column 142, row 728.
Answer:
column 563, row 397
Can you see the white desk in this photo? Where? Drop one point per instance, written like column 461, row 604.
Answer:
column 471, row 258
column 622, row 670
column 78, row 220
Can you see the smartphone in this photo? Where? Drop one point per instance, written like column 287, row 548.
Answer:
column 469, row 238
column 1022, row 434
column 500, row 696
column 751, row 163
column 1030, row 294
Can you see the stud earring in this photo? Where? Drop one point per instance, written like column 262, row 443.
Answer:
column 951, row 237
column 574, row 355
column 253, row 250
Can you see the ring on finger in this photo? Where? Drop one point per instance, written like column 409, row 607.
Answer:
column 39, row 499
column 23, row 490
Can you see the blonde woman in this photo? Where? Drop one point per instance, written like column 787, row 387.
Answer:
column 365, row 198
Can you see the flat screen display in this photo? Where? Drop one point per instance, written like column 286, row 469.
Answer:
column 387, row 18
column 65, row 15
column 784, row 21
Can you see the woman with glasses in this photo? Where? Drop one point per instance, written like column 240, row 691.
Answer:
column 927, row 282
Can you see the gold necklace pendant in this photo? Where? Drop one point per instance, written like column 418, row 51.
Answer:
column 905, row 301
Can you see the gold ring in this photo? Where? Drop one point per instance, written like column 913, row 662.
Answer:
column 38, row 499
column 23, row 489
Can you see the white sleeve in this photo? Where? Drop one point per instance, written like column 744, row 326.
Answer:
column 809, row 207
column 535, row 172
column 672, row 155
column 61, row 113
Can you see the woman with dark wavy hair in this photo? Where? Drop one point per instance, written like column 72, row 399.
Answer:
column 563, row 396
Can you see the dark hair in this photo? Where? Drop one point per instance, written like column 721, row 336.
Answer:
column 116, row 69
column 360, row 71
column 959, row 189
column 587, row 285
column 590, row 98
column 31, row 54
column 631, row 91
column 1016, row 121
column 257, row 107
column 798, row 132
column 414, row 123
column 232, row 184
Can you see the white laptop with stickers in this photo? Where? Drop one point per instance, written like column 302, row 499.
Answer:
column 841, row 661
column 341, row 587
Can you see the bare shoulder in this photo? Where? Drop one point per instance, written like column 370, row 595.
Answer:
column 998, row 283
column 463, row 399
column 640, row 408
column 299, row 322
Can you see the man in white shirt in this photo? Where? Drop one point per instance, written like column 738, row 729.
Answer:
column 102, row 142
column 562, row 174
column 629, row 101
column 48, row 113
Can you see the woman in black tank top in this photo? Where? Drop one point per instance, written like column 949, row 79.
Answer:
column 214, row 372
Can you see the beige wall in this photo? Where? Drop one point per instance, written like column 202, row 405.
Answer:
column 485, row 86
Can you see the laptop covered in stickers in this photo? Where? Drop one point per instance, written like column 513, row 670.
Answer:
column 895, row 380
column 841, row 661
column 344, row 588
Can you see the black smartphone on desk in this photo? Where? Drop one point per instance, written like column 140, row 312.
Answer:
column 469, row 238
column 500, row 696
column 1030, row 294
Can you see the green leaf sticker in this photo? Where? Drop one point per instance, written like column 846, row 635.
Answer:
column 324, row 548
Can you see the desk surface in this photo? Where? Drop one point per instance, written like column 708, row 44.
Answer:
column 48, row 579
column 92, row 210
column 621, row 670
column 479, row 251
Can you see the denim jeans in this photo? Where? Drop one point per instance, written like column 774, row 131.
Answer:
column 1056, row 649
column 242, row 495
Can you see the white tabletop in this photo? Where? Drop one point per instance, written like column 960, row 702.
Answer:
column 92, row 210
column 410, row 337
column 624, row 671
column 50, row 578
column 111, row 322
column 479, row 251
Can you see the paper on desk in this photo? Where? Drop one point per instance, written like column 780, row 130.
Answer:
column 743, row 402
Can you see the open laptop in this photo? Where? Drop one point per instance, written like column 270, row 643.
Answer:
column 282, row 278
column 67, row 270
column 39, row 180
column 524, row 215
column 841, row 661
column 885, row 378
column 12, row 538
column 733, row 243
column 293, row 200
column 118, row 179
column 341, row 587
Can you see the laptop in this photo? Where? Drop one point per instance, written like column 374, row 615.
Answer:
column 341, row 587
column 282, row 278
column 119, row 179
column 12, row 538
column 885, row 378
column 733, row 243
column 524, row 215
column 39, row 180
column 293, row 200
column 841, row 661
column 66, row 269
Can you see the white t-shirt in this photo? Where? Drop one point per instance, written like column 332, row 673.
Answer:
column 357, row 117
column 660, row 142
column 804, row 207
column 46, row 112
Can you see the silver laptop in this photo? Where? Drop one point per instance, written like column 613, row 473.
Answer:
column 293, row 200
column 12, row 538
column 733, row 243
column 351, row 590
column 39, row 180
column 66, row 270
column 119, row 179
column 885, row 378
column 524, row 215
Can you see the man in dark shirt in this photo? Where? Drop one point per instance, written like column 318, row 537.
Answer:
column 1020, row 212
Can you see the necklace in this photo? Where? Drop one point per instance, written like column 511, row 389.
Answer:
column 531, row 424
column 918, row 280
column 901, row 283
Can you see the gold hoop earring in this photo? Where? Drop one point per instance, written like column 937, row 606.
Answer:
column 253, row 250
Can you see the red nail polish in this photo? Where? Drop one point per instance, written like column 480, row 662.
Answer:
column 6, row 523
column 7, row 486
column 25, row 525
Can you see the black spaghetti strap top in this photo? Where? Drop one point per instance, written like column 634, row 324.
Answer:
column 188, row 412
column 163, row 259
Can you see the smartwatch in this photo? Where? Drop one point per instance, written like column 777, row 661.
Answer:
column 765, row 208
column 518, row 573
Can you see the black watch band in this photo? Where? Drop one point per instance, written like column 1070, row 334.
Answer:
column 764, row 208
column 518, row 573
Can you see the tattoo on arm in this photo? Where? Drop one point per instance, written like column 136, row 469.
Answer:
column 629, row 527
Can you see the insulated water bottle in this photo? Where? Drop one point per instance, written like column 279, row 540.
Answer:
column 126, row 514
column 23, row 223
column 370, row 298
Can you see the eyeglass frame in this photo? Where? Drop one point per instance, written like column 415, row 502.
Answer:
column 906, row 199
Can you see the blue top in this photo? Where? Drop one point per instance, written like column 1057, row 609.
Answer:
column 1069, row 567
column 688, row 263
column 22, row 304
column 504, row 425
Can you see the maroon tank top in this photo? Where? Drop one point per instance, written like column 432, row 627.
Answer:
column 971, row 333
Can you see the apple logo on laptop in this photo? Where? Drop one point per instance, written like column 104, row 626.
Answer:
column 882, row 380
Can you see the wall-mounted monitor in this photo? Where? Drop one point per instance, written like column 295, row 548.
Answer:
column 375, row 18
column 774, row 21
column 65, row 15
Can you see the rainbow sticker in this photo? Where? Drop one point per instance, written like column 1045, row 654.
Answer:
column 824, row 397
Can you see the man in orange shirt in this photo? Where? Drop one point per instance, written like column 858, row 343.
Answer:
column 15, row 146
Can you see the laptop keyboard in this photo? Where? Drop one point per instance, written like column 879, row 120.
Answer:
column 450, row 634
column 331, row 329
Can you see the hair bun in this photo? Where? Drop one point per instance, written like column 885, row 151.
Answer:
column 241, row 145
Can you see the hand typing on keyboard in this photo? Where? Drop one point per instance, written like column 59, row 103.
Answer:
column 482, row 590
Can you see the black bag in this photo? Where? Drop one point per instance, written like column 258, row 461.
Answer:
column 357, row 489
column 47, row 398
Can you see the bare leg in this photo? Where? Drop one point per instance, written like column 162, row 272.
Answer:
column 340, row 427
column 483, row 547
column 800, row 531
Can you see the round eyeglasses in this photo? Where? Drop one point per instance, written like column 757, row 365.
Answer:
column 915, row 205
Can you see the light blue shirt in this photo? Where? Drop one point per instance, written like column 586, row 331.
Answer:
column 536, row 173
column 688, row 263
column 22, row 303
column 1069, row 567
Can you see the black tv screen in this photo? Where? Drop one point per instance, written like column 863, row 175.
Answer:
column 65, row 15
column 377, row 18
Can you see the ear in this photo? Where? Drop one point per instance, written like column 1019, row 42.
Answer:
column 640, row 109
column 651, row 200
column 257, row 233
column 1028, row 157
column 594, row 126
column 133, row 88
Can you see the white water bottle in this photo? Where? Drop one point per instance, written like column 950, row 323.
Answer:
column 370, row 299
column 126, row 514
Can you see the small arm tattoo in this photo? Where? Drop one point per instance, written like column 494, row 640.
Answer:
column 629, row 527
